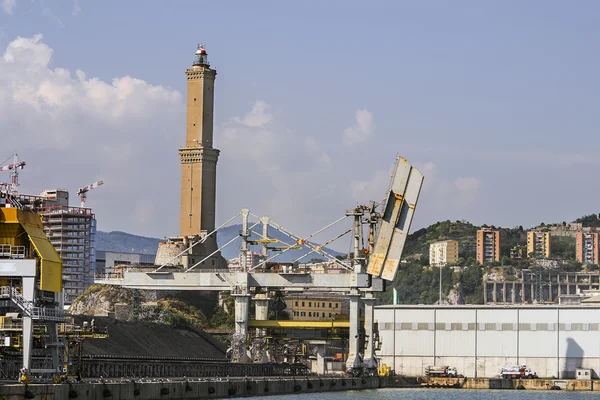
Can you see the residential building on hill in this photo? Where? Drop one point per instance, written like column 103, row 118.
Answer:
column 586, row 248
column 539, row 243
column 443, row 252
column 316, row 308
column 488, row 245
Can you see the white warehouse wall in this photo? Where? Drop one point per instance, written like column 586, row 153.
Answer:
column 479, row 340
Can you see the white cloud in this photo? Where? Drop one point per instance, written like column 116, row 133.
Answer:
column 373, row 189
column 73, row 129
column 274, row 171
column 362, row 130
column 256, row 118
column 76, row 8
column 442, row 197
column 8, row 6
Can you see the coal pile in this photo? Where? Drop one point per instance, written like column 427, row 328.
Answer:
column 131, row 339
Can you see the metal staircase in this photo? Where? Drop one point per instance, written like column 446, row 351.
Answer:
column 29, row 309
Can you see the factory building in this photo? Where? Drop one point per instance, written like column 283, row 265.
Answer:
column 478, row 340
column 587, row 247
column 539, row 243
column 107, row 260
column 488, row 246
column 442, row 253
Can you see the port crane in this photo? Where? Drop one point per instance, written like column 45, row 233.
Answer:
column 14, row 168
column 366, row 275
column 82, row 193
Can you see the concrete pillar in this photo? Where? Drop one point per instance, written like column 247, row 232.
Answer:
column 504, row 299
column 494, row 292
column 513, row 297
column 523, row 297
column 354, row 361
column 369, row 359
column 261, row 305
column 238, row 346
column 485, row 294
column 321, row 347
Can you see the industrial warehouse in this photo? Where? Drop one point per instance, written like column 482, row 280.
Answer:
column 552, row 340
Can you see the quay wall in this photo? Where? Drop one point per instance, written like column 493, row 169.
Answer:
column 196, row 389
column 513, row 384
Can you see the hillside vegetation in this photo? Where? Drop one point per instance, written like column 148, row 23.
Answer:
column 417, row 283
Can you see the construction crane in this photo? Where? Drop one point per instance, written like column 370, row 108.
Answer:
column 82, row 193
column 14, row 168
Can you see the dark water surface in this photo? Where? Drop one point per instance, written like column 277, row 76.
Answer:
column 438, row 394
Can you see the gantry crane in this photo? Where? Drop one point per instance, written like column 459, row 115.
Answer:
column 82, row 193
column 371, row 267
column 14, row 168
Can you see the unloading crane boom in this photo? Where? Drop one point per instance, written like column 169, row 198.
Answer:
column 395, row 223
column 82, row 193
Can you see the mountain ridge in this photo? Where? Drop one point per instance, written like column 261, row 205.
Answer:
column 119, row 241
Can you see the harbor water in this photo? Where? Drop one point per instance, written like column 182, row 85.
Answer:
column 438, row 394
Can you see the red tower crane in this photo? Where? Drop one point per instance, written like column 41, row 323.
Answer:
column 82, row 193
column 14, row 168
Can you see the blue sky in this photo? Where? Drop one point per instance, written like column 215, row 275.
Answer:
column 495, row 101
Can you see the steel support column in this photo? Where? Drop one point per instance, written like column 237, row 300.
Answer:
column 354, row 361
column 28, row 295
column 369, row 359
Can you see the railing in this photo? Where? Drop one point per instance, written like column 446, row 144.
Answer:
column 17, row 252
column 28, row 307
column 10, row 326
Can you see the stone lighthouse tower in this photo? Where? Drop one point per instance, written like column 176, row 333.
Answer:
column 198, row 157
column 198, row 174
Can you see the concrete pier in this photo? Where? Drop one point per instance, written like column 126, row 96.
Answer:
column 196, row 389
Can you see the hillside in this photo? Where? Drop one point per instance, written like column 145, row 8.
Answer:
column 590, row 220
column 417, row 283
column 126, row 242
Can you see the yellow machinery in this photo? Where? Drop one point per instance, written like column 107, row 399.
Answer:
column 30, row 279
column 384, row 370
column 22, row 237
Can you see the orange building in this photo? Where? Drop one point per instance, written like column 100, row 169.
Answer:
column 586, row 248
column 488, row 245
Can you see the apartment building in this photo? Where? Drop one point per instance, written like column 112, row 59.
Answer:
column 586, row 248
column 488, row 245
column 443, row 252
column 72, row 232
column 539, row 243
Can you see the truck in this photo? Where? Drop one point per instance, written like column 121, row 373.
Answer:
column 517, row 372
column 442, row 371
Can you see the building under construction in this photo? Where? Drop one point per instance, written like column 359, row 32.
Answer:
column 72, row 232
